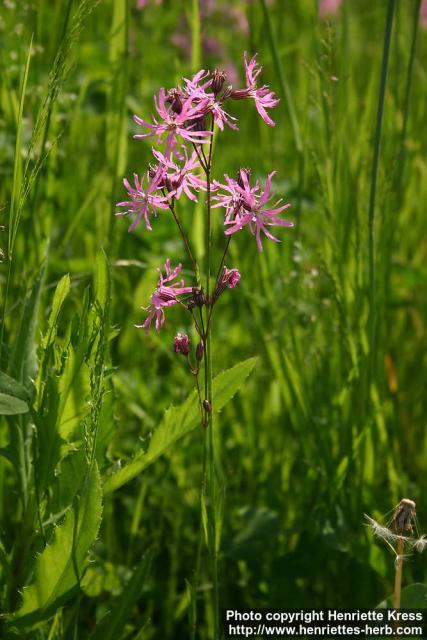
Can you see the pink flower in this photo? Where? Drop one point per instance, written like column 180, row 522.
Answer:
column 143, row 202
column 246, row 205
column 165, row 295
column 181, row 344
column 329, row 7
column 178, row 179
column 178, row 119
column 197, row 91
column 230, row 277
column 264, row 98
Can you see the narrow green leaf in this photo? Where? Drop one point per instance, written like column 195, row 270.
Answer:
column 11, row 406
column 60, row 566
column 12, row 387
column 23, row 365
column 17, row 168
column 102, row 280
column 23, row 368
column 61, row 293
column 112, row 625
column 179, row 421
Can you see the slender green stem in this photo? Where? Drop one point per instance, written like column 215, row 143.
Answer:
column 218, row 275
column 200, row 537
column 184, row 238
column 373, row 192
column 208, row 390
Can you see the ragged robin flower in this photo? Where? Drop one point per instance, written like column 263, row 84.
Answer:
column 262, row 96
column 175, row 122
column 165, row 295
column 143, row 202
column 247, row 205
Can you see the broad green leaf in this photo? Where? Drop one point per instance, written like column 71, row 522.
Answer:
column 12, row 387
column 60, row 566
column 179, row 421
column 112, row 625
column 11, row 406
column 412, row 597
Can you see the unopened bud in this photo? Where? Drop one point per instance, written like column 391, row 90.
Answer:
column 181, row 344
column 175, row 99
column 198, row 296
column 218, row 80
column 239, row 94
column 200, row 349
column 207, row 406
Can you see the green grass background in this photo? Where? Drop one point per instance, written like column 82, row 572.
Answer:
column 331, row 423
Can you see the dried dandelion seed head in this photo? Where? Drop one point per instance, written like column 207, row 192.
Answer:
column 403, row 516
column 402, row 522
column 380, row 531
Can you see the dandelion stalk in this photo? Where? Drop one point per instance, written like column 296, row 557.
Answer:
column 398, row 574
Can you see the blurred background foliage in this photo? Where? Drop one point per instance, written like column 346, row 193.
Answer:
column 330, row 425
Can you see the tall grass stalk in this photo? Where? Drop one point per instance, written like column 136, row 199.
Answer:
column 372, row 198
column 16, row 188
column 408, row 87
column 289, row 102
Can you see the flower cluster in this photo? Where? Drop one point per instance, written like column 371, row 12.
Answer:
column 186, row 119
column 165, row 295
column 249, row 206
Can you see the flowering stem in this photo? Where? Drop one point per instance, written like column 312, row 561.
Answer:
column 208, row 392
column 398, row 574
column 218, row 275
column 200, row 540
column 184, row 239
column 202, row 163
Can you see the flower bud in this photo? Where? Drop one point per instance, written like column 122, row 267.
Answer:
column 198, row 296
column 207, row 406
column 239, row 94
column 200, row 349
column 175, row 98
column 181, row 344
column 218, row 80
